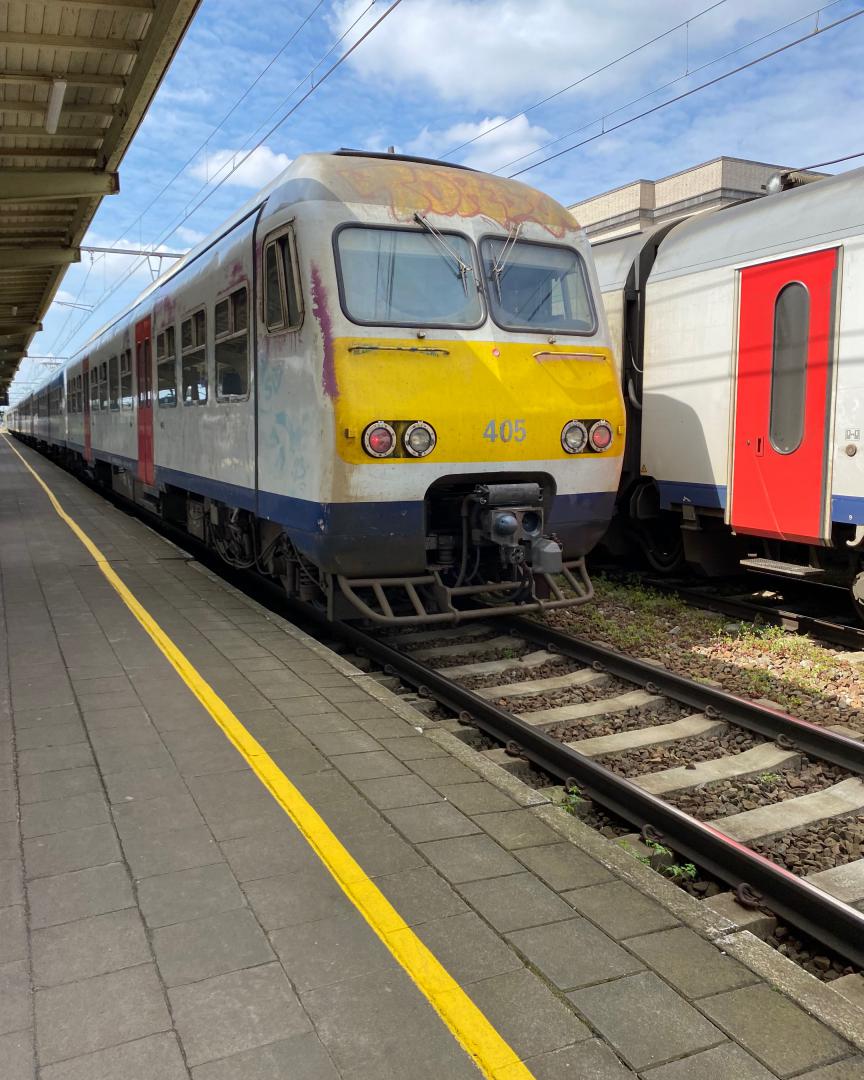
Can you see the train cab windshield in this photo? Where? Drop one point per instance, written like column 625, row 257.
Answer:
column 405, row 277
column 539, row 287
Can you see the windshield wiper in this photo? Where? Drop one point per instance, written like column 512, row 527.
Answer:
column 462, row 268
column 498, row 264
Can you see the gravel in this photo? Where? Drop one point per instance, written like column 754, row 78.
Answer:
column 650, row 759
column 665, row 712
column 818, row 847
column 735, row 796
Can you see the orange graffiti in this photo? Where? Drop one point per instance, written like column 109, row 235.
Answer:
column 408, row 187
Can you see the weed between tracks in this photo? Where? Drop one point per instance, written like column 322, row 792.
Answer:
column 806, row 678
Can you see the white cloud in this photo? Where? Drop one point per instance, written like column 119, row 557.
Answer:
column 504, row 142
column 189, row 236
column 258, row 169
column 195, row 95
column 487, row 54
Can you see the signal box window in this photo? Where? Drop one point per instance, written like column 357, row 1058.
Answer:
column 789, row 367
column 283, row 301
column 126, row 400
column 193, row 344
column 232, row 347
column 114, row 383
column 166, row 367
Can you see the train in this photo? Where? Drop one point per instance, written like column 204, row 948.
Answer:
column 386, row 382
column 739, row 336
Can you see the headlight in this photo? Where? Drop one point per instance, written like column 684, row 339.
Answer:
column 600, row 435
column 574, row 436
column 419, row 439
column 379, row 439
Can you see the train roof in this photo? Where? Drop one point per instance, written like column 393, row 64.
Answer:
column 816, row 213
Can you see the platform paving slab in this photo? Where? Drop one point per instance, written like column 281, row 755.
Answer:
column 302, row 1057
column 725, row 1062
column 689, row 963
column 645, row 1021
column 774, row 1030
column 156, row 1057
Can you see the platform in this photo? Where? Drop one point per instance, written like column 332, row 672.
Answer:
column 230, row 855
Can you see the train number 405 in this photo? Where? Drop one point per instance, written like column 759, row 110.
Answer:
column 505, row 430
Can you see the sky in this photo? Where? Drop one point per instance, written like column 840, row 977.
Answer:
column 434, row 76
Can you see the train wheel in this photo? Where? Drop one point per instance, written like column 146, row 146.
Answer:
column 858, row 595
column 662, row 545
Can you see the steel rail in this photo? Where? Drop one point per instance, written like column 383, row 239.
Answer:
column 828, row 920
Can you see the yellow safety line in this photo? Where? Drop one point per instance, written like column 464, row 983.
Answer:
column 495, row 1058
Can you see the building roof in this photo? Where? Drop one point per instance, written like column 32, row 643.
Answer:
column 111, row 55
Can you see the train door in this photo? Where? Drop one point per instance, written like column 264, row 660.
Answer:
column 144, row 377
column 781, row 443
column 85, row 384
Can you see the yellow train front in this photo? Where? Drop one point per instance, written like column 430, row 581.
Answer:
column 454, row 371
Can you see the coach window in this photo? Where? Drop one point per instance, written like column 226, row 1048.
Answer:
column 166, row 368
column 193, row 344
column 103, row 383
column 232, row 347
column 789, row 367
column 126, row 399
column 114, row 383
column 283, row 302
column 94, row 387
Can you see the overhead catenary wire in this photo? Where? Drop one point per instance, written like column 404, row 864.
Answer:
column 584, row 78
column 239, row 101
column 665, row 86
column 834, row 161
column 815, row 32
column 238, row 163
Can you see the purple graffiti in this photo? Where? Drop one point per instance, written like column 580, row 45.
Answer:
column 321, row 313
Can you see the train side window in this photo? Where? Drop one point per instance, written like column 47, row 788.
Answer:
column 789, row 367
column 103, row 383
column 193, row 344
column 126, row 399
column 283, row 300
column 94, row 388
column 114, row 383
column 166, row 368
column 232, row 347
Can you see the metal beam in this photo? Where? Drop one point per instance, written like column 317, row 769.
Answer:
column 80, row 78
column 34, row 185
column 65, row 41
column 12, row 327
column 48, row 151
column 38, row 255
column 132, row 5
column 60, row 133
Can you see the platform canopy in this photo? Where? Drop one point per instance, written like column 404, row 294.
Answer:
column 76, row 77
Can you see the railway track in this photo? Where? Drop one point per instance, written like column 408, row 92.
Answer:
column 527, row 686
column 542, row 694
column 791, row 608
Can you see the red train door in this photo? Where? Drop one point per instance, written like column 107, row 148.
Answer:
column 144, row 377
column 782, row 398
column 85, row 407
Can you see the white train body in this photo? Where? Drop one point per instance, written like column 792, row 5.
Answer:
column 740, row 334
